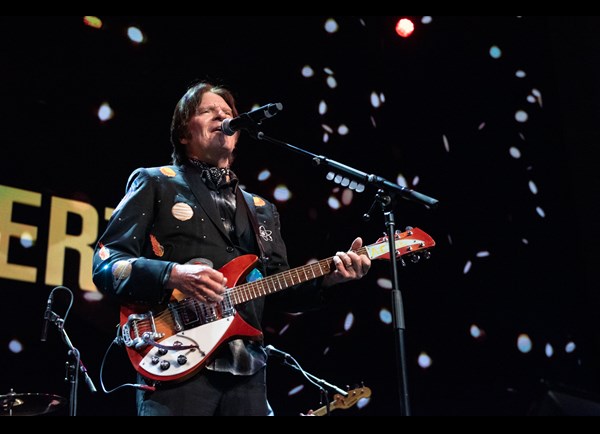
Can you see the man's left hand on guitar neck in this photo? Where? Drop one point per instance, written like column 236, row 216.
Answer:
column 348, row 266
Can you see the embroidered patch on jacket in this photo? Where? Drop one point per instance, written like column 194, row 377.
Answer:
column 104, row 253
column 156, row 246
column 182, row 211
column 265, row 234
column 258, row 201
column 167, row 171
column 121, row 270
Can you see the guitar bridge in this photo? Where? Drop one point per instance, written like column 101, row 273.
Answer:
column 138, row 326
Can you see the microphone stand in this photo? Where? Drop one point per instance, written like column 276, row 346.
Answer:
column 74, row 366
column 386, row 190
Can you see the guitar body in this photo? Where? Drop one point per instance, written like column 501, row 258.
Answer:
column 159, row 364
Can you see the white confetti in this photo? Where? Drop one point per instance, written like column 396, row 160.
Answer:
column 363, row 22
column 401, row 180
column 481, row 126
column 282, row 194
column 328, row 71
column 326, row 350
column 533, row 187
column 549, row 350
column 327, row 128
column 385, row 316
column 416, row 181
column 296, row 390
column 524, row 343
column 531, row 99
column 446, row 143
column 349, row 321
column 449, row 239
column 525, row 241
column 375, row 101
column 15, row 346
column 334, row 203
column 424, row 360
column 426, row 19
column 105, row 113
column 483, row 254
column 384, row 283
column 325, row 137
column 382, row 97
column 307, row 71
column 331, row 26
column 540, row 212
column 475, row 331
column 570, row 347
column 467, row 267
column 284, row 329
column 331, row 82
column 495, row 52
column 363, row 402
column 373, row 122
column 26, row 240
column 93, row 296
column 322, row 108
column 520, row 74
column 343, row 130
column 264, row 175
column 521, row 116
column 135, row 35
column 515, row 152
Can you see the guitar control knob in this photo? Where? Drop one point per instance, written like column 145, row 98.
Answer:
column 162, row 351
column 164, row 365
column 155, row 360
column 182, row 360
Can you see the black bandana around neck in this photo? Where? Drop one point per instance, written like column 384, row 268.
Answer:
column 217, row 175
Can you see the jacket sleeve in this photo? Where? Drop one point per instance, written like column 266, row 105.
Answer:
column 119, row 268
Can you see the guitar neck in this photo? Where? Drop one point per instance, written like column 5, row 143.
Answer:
column 280, row 281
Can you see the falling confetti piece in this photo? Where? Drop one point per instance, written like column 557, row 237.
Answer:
column 524, row 344
column 93, row 22
column 521, row 116
column 307, row 71
column 282, row 194
column 483, row 254
column 331, row 26
column 481, row 126
column 522, row 136
column 426, row 20
column 284, row 329
column 540, row 212
column 425, row 361
column 382, row 97
column 325, row 137
column 384, row 283
column 363, row 402
column 343, row 130
column 385, row 316
column 375, row 101
column 331, row 82
column 296, row 390
column 401, row 180
column 449, row 239
column 327, row 128
column 349, row 321
column 26, row 240
column 570, row 347
column 328, row 71
column 135, row 35
column 105, row 113
column 93, row 296
column 416, row 181
column 475, row 331
column 347, row 197
column 533, row 187
column 525, row 241
column 531, row 99
column 446, row 143
column 520, row 74
column 264, row 175
column 549, row 350
column 495, row 52
column 15, row 346
column 322, row 108
column 467, row 267
column 333, row 203
column 515, row 152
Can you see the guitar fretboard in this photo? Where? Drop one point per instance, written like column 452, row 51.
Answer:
column 280, row 281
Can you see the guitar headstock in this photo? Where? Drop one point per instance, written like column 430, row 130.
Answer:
column 413, row 242
column 354, row 395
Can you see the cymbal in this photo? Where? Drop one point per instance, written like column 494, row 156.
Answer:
column 29, row 404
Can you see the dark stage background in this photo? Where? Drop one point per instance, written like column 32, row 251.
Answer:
column 497, row 117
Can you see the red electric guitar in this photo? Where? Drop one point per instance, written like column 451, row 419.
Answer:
column 174, row 342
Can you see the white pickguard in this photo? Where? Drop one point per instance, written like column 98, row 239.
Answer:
column 207, row 337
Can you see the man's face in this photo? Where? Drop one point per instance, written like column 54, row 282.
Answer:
column 205, row 141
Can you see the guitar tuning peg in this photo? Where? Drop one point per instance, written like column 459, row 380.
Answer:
column 426, row 254
column 408, row 228
column 414, row 258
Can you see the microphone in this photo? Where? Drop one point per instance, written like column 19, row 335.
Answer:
column 272, row 351
column 47, row 315
column 251, row 119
